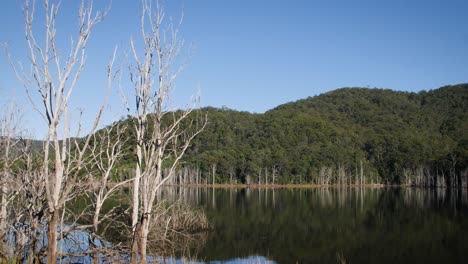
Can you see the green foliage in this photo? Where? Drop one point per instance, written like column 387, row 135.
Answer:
column 386, row 131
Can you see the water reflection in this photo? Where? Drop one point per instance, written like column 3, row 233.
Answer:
column 372, row 225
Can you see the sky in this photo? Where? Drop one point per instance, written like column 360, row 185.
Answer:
column 252, row 55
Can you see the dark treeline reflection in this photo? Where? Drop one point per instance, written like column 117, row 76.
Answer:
column 390, row 225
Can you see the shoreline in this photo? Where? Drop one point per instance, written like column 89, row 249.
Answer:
column 290, row 186
column 281, row 186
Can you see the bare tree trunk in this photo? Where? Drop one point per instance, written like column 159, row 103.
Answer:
column 4, row 203
column 356, row 178
column 8, row 131
column 362, row 173
column 136, row 199
column 213, row 173
column 273, row 174
column 52, row 237
column 144, row 237
column 259, row 176
column 161, row 134
column 341, row 174
column 180, row 179
column 53, row 80
column 3, row 219
column 231, row 175
column 136, row 238
column 453, row 172
column 92, row 238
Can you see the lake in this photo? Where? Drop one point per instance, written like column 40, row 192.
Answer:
column 331, row 225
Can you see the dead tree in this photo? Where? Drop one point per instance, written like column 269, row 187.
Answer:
column 162, row 134
column 213, row 173
column 274, row 169
column 107, row 150
column 30, row 207
column 49, row 85
column 9, row 139
column 22, row 196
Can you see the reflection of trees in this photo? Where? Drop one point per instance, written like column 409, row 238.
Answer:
column 312, row 225
column 176, row 228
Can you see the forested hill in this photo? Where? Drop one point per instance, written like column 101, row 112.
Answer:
column 355, row 135
column 350, row 135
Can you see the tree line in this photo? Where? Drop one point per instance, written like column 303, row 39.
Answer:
column 346, row 136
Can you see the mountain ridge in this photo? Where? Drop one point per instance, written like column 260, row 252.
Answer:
column 348, row 135
column 391, row 132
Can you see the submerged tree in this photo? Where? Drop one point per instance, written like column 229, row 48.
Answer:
column 9, row 132
column 162, row 134
column 49, row 85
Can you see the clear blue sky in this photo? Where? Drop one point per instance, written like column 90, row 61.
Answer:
column 253, row 55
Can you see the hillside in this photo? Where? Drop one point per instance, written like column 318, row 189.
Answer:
column 349, row 135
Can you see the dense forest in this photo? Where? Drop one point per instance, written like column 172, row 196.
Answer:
column 346, row 136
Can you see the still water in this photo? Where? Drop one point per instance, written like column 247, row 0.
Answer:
column 331, row 225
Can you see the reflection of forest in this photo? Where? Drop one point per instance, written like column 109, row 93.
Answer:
column 314, row 225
